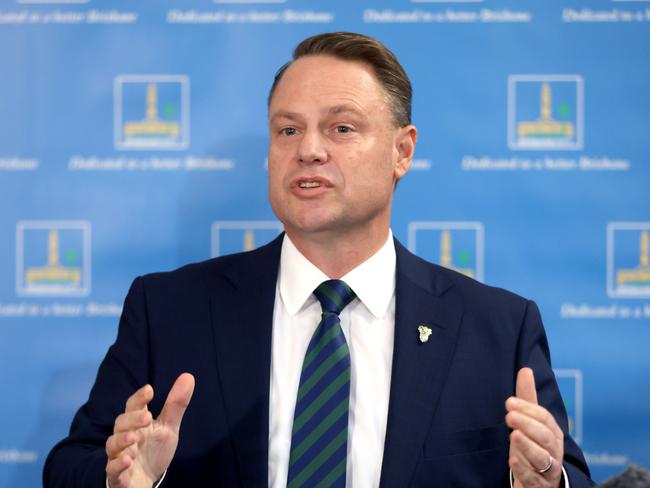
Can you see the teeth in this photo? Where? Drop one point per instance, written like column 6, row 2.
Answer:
column 309, row 184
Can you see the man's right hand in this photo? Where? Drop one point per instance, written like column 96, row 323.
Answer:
column 141, row 449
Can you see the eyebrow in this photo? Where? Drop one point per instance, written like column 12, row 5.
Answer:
column 285, row 115
column 344, row 108
column 334, row 110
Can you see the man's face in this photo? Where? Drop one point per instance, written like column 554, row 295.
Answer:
column 334, row 153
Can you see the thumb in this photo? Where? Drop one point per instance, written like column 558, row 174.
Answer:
column 177, row 401
column 525, row 388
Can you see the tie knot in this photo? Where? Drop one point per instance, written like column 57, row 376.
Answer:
column 334, row 295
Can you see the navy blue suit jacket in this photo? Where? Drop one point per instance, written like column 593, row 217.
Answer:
column 214, row 319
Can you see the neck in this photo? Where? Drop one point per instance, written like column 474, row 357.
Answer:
column 336, row 253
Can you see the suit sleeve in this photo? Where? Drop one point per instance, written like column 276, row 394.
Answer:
column 80, row 459
column 533, row 352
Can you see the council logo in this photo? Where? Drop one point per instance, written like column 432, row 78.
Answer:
column 545, row 112
column 628, row 259
column 232, row 236
column 53, row 258
column 454, row 245
column 570, row 383
column 151, row 112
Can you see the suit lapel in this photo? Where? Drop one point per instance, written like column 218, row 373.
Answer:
column 242, row 319
column 422, row 297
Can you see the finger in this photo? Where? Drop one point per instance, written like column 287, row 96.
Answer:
column 522, row 447
column 536, row 412
column 131, row 421
column 534, row 430
column 531, row 433
column 115, row 467
column 525, row 387
column 119, row 442
column 522, row 472
column 529, row 476
column 139, row 399
column 177, row 401
column 526, row 475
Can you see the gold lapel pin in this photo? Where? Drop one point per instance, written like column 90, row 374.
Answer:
column 425, row 332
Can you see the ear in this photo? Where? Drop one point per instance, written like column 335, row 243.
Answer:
column 405, row 148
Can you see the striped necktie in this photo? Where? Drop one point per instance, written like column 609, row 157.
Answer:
column 320, row 424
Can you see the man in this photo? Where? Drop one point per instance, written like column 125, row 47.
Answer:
column 435, row 386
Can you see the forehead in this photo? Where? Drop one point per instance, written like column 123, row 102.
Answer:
column 322, row 80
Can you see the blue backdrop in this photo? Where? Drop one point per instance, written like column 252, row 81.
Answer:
column 133, row 139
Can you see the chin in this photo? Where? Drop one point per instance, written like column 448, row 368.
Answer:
column 311, row 224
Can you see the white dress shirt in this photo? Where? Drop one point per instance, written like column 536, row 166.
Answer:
column 368, row 324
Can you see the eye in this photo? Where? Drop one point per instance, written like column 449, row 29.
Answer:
column 343, row 129
column 288, row 131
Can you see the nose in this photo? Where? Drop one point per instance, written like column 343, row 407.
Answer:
column 312, row 148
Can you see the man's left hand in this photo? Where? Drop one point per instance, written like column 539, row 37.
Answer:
column 536, row 440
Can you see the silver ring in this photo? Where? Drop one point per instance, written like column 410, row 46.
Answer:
column 548, row 467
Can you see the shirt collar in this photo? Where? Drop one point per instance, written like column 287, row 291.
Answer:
column 373, row 280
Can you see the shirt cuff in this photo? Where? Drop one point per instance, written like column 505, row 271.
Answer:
column 155, row 485
column 565, row 478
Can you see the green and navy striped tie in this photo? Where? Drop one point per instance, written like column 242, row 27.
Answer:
column 319, row 438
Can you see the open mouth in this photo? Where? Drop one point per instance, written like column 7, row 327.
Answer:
column 309, row 184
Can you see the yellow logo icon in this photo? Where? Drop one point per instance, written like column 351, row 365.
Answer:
column 640, row 275
column 446, row 255
column 545, row 112
column 628, row 259
column 454, row 245
column 545, row 125
column 53, row 272
column 53, row 258
column 151, row 126
column 151, row 112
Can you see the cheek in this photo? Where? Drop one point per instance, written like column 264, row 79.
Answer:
column 275, row 182
column 274, row 155
column 276, row 195
column 274, row 178
column 376, row 168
